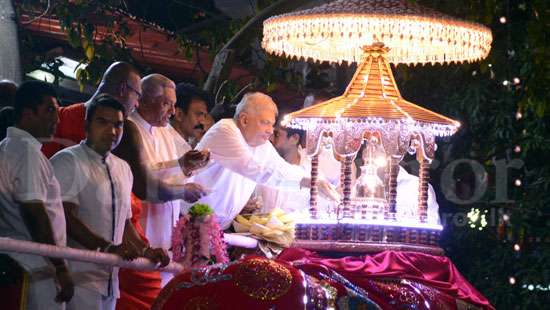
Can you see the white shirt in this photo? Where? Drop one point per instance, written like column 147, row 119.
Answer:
column 85, row 179
column 27, row 175
column 329, row 166
column 158, row 146
column 288, row 201
column 296, row 202
column 182, row 146
column 236, row 167
column 407, row 199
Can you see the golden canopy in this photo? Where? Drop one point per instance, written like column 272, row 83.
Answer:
column 372, row 96
column 337, row 31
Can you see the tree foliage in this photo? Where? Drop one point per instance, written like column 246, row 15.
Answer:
column 487, row 100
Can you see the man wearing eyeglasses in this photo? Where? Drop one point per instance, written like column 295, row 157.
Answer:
column 121, row 80
column 156, row 149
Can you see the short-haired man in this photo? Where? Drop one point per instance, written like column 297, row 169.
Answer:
column 242, row 158
column 191, row 113
column 96, row 188
column 288, row 143
column 158, row 147
column 30, row 201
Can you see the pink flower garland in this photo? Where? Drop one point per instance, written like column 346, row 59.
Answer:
column 203, row 236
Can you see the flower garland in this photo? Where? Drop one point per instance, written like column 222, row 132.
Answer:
column 197, row 239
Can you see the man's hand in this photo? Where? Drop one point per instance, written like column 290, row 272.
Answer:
column 66, row 285
column 194, row 160
column 326, row 190
column 252, row 205
column 192, row 192
column 157, row 256
column 125, row 250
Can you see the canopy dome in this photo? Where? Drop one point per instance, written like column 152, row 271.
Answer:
column 337, row 31
column 372, row 98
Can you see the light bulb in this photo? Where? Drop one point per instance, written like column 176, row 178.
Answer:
column 517, row 182
column 502, row 20
column 517, row 149
column 371, row 181
column 519, row 115
column 512, row 280
column 380, row 161
column 517, row 247
column 516, row 80
column 505, row 82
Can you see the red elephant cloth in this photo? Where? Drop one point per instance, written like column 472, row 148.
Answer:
column 393, row 278
column 252, row 283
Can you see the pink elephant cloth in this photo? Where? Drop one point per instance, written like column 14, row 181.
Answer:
column 393, row 277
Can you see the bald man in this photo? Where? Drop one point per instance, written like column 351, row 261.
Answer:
column 242, row 157
column 121, row 80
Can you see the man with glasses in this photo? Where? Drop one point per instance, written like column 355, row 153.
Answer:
column 137, row 92
column 157, row 149
column 121, row 80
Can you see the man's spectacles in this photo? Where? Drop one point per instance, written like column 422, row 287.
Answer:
column 134, row 90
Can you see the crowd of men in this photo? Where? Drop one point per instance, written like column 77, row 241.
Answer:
column 114, row 174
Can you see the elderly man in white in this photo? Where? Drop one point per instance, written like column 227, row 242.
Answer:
column 158, row 149
column 241, row 157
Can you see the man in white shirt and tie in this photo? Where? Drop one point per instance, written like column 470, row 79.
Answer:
column 241, row 157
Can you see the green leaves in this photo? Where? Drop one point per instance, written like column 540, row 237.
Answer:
column 200, row 209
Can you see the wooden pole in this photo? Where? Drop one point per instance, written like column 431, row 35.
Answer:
column 346, row 188
column 392, row 182
column 313, row 191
